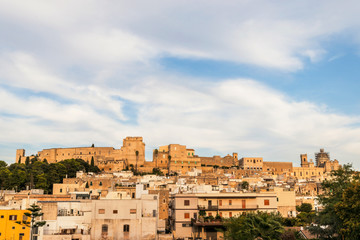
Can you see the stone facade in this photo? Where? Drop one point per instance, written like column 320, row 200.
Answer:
column 176, row 158
column 107, row 158
column 251, row 163
column 227, row 161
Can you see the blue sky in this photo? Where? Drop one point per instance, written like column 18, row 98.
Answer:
column 270, row 79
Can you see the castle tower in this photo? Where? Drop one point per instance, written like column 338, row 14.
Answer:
column 236, row 159
column 321, row 158
column 134, row 150
column 304, row 160
column 20, row 155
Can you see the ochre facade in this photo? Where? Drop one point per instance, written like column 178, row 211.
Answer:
column 106, row 158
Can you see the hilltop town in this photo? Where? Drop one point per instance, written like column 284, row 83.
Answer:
column 178, row 195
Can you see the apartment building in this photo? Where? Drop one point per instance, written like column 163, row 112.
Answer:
column 190, row 211
column 9, row 229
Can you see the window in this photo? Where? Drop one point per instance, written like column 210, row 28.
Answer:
column 2, row 216
column 13, row 217
column 126, row 228
column 132, row 211
column 266, row 202
column 13, row 227
column 186, row 215
column 104, row 228
column 60, row 189
column 220, row 202
column 186, row 202
column 230, row 202
column 101, row 211
column 100, row 184
column 115, row 211
column 209, row 214
column 230, row 214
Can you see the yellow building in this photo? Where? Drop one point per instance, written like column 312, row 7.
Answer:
column 9, row 229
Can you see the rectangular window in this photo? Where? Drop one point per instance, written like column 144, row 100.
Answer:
column 13, row 217
column 220, row 202
column 126, row 228
column 230, row 214
column 186, row 215
column 104, row 228
column 266, row 202
column 115, row 211
column 230, row 202
column 101, row 211
column 186, row 202
column 132, row 211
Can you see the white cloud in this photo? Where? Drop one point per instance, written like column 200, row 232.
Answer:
column 73, row 61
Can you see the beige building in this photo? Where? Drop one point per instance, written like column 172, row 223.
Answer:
column 176, row 158
column 125, row 219
column 286, row 201
column 251, row 163
column 227, row 161
column 322, row 168
column 188, row 208
column 109, row 158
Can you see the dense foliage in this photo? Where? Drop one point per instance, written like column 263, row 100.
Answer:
column 40, row 174
column 341, row 201
column 266, row 226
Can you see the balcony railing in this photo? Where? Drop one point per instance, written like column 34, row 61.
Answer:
column 247, row 206
column 208, row 207
column 206, row 223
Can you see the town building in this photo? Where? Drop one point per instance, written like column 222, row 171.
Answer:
column 193, row 215
column 9, row 229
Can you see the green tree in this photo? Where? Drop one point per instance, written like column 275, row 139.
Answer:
column 34, row 213
column 27, row 161
column 245, row 185
column 157, row 171
column 304, row 207
column 4, row 178
column 137, row 158
column 266, row 226
column 41, row 182
column 330, row 222
column 348, row 211
column 3, row 164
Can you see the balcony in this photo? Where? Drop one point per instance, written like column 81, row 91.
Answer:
column 208, row 207
column 200, row 222
column 233, row 207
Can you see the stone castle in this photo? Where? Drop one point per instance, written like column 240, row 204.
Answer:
column 176, row 158
column 107, row 158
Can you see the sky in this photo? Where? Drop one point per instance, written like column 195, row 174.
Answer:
column 271, row 79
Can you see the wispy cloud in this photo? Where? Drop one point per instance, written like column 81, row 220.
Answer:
column 90, row 68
